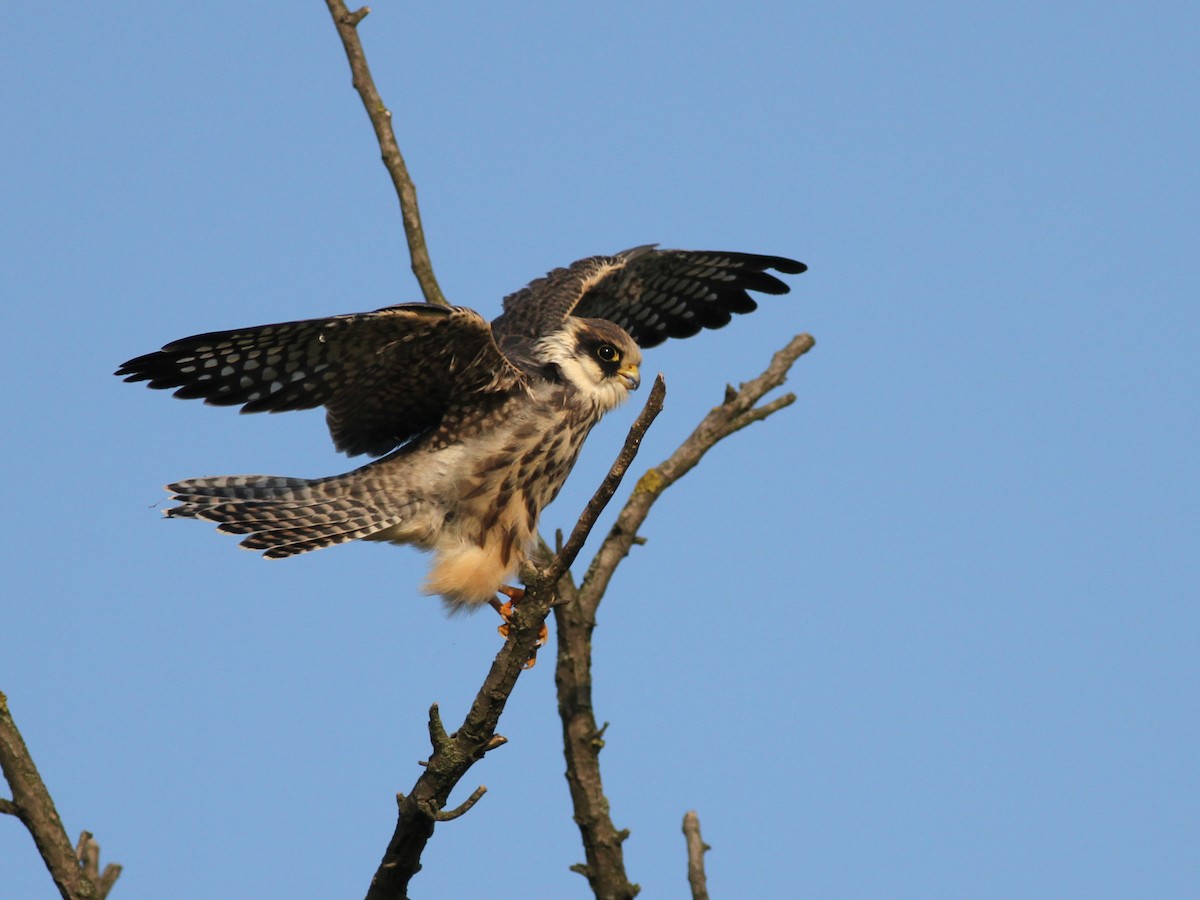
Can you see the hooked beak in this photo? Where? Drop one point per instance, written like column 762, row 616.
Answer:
column 631, row 376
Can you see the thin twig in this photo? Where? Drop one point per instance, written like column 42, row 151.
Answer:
column 696, row 848
column 575, row 620
column 566, row 556
column 346, row 23
column 446, row 816
column 736, row 412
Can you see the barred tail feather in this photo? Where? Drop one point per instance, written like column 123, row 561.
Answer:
column 281, row 516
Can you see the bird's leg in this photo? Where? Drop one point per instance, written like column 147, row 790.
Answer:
column 515, row 595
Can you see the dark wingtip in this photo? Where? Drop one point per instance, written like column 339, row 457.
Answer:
column 768, row 284
column 148, row 367
column 130, row 370
column 783, row 264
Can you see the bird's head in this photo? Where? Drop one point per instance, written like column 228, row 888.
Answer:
column 598, row 358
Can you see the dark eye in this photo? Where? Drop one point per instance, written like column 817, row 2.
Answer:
column 607, row 353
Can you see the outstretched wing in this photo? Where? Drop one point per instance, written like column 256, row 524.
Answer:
column 653, row 294
column 382, row 376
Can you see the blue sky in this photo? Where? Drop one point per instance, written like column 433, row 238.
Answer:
column 930, row 633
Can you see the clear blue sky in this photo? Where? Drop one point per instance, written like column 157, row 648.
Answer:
column 932, row 632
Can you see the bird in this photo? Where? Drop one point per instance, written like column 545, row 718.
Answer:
column 474, row 426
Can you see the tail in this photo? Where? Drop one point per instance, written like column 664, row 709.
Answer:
column 283, row 516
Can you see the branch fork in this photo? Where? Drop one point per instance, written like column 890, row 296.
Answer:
column 75, row 870
column 548, row 587
column 454, row 753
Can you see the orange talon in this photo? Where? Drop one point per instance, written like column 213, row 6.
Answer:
column 516, row 595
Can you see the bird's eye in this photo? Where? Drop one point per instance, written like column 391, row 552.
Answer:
column 607, row 353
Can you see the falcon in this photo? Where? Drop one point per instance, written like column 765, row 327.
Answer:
column 476, row 425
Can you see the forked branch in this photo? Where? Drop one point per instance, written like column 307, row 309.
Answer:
column 575, row 621
column 738, row 410
column 576, row 608
column 455, row 753
column 75, row 870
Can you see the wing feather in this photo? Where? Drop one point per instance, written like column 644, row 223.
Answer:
column 382, row 376
column 653, row 294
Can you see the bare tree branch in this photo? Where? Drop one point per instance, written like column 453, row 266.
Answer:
column 453, row 754
column 76, row 871
column 734, row 414
column 576, row 608
column 579, row 534
column 346, row 23
column 575, row 620
column 87, row 851
column 582, row 741
column 696, row 848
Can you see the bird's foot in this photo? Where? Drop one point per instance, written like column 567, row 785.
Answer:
column 515, row 595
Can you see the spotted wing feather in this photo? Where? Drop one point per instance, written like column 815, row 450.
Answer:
column 383, row 376
column 653, row 294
